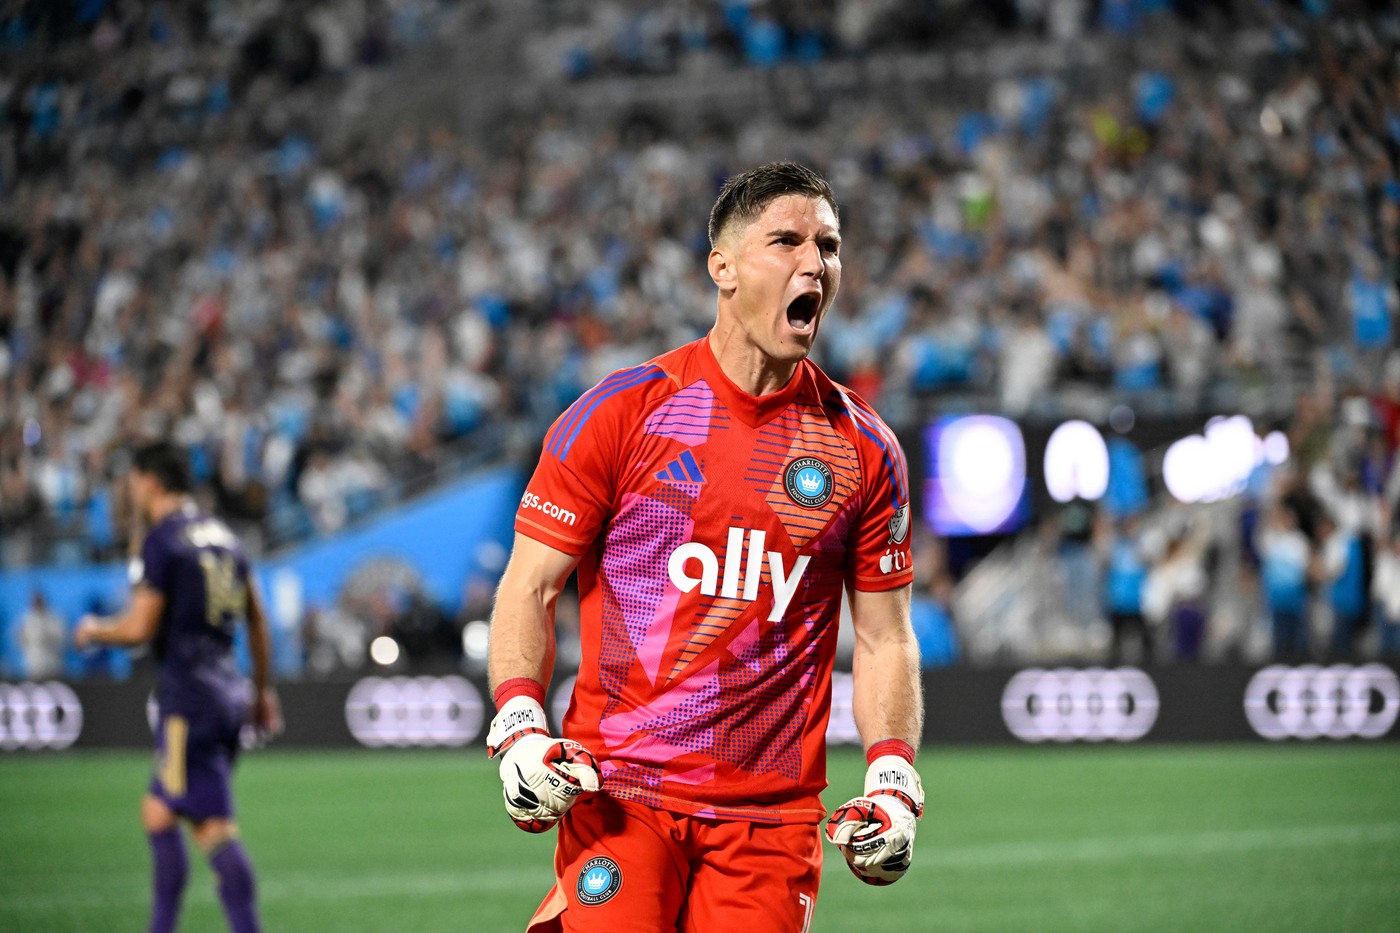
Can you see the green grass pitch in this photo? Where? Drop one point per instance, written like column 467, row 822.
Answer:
column 1114, row 839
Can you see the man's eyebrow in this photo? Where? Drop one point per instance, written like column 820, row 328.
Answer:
column 784, row 232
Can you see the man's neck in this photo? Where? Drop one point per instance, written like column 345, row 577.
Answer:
column 747, row 366
column 164, row 504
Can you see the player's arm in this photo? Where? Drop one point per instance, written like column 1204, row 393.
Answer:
column 522, row 625
column 888, row 701
column 875, row 832
column 149, row 574
column 136, row 626
column 541, row 776
column 561, row 514
column 267, row 712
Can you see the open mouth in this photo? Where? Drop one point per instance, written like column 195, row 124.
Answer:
column 802, row 312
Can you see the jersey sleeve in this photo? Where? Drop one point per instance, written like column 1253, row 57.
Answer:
column 156, row 566
column 571, row 493
column 881, row 546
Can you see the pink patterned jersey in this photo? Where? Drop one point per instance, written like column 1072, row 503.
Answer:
column 715, row 532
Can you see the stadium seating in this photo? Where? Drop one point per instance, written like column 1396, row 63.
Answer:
column 263, row 235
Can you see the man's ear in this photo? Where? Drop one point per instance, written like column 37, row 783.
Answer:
column 722, row 271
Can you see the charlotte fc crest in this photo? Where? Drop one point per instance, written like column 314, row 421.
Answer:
column 808, row 482
column 599, row 881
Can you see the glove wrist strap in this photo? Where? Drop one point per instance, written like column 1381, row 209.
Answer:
column 508, row 690
column 517, row 718
column 897, row 747
column 891, row 775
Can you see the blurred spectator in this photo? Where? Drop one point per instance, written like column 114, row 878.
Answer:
column 1372, row 304
column 478, row 597
column 1027, row 363
column 1261, row 316
column 1285, row 558
column 930, row 606
column 1386, row 588
column 1343, row 571
column 335, row 640
column 1125, row 576
column 42, row 639
column 1079, row 577
column 424, row 631
column 1174, row 597
column 940, row 351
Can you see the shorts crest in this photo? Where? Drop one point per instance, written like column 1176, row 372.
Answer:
column 599, row 881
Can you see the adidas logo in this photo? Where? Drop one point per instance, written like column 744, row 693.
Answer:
column 683, row 469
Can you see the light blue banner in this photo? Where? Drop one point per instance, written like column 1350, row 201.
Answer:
column 442, row 538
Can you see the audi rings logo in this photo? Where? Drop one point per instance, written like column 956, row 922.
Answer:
column 1069, row 705
column 414, row 711
column 33, row 716
column 1339, row 702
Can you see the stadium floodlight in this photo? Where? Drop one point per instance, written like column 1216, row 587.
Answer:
column 476, row 636
column 1217, row 463
column 1076, row 463
column 977, row 474
column 1276, row 447
column 384, row 651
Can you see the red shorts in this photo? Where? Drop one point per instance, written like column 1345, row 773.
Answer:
column 620, row 866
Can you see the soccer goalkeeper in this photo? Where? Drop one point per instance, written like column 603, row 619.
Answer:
column 716, row 501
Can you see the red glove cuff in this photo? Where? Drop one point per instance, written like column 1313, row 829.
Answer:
column 897, row 747
column 519, row 686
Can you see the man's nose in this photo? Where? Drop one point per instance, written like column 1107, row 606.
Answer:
column 811, row 263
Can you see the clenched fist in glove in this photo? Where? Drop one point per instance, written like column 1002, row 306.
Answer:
column 875, row 832
column 541, row 776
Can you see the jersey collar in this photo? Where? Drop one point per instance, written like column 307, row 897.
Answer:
column 753, row 410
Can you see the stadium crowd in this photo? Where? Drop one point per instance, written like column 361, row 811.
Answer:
column 1303, row 564
column 188, row 245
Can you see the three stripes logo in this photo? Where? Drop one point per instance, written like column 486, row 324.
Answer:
column 683, row 469
column 807, row 901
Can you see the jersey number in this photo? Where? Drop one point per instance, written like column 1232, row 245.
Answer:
column 224, row 594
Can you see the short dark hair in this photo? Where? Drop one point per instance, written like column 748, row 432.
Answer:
column 167, row 463
column 744, row 196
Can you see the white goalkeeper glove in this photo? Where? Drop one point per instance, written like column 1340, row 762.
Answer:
column 541, row 776
column 875, row 832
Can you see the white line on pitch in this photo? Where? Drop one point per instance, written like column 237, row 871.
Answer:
column 1111, row 848
column 303, row 886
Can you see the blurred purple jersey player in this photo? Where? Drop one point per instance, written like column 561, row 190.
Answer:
column 191, row 590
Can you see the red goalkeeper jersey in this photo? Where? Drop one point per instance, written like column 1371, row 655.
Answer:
column 716, row 531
